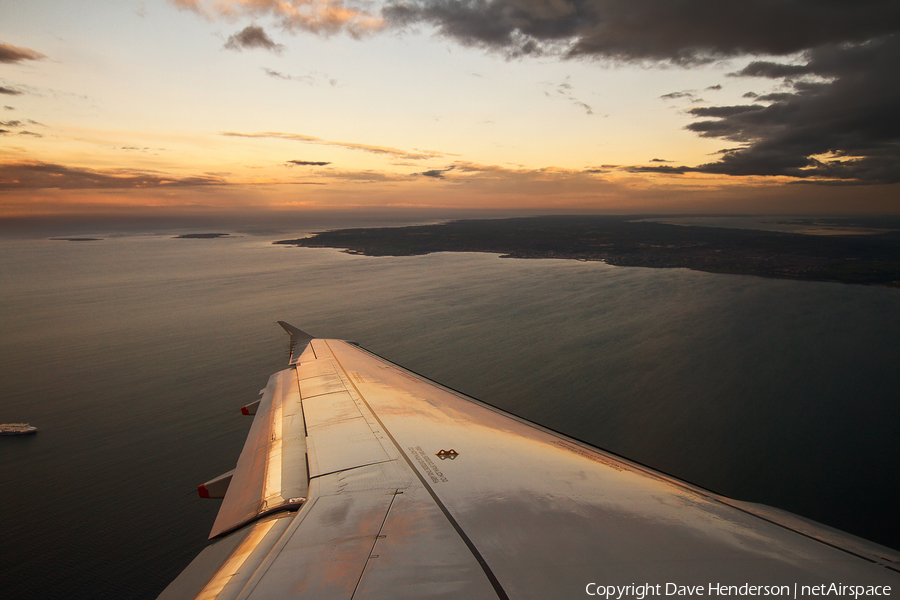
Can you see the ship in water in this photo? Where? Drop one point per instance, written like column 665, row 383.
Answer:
column 16, row 428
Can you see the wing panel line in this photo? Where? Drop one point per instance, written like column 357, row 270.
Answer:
column 380, row 462
column 495, row 583
column 372, row 549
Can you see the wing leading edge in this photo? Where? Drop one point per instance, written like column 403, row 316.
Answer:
column 360, row 479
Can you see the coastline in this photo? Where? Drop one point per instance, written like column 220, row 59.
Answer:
column 622, row 241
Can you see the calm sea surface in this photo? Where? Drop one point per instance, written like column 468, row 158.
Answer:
column 134, row 354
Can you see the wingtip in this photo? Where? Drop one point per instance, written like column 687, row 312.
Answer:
column 295, row 333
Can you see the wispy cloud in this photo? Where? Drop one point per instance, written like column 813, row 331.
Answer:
column 564, row 90
column 689, row 94
column 37, row 175
column 436, row 173
column 666, row 169
column 313, row 78
column 307, row 163
column 296, row 137
column 252, row 36
column 9, row 91
column 14, row 54
column 17, row 125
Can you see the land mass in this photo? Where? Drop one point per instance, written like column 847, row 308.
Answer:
column 76, row 239
column 200, row 236
column 623, row 241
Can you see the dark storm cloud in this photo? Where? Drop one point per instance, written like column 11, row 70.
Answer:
column 845, row 125
column 722, row 111
column 307, row 163
column 680, row 31
column 14, row 54
column 252, row 36
column 773, row 97
column 38, row 175
column 9, row 91
column 771, row 70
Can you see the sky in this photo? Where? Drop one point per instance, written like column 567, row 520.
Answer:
column 665, row 106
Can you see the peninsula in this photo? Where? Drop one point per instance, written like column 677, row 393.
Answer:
column 200, row 236
column 625, row 241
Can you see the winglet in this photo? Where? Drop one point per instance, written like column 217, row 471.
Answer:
column 297, row 335
column 299, row 341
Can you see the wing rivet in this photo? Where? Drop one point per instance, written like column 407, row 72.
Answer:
column 444, row 454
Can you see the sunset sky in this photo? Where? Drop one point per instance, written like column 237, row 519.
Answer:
column 527, row 105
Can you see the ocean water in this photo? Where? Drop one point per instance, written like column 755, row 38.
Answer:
column 134, row 354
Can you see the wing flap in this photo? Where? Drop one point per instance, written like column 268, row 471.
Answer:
column 271, row 471
column 226, row 565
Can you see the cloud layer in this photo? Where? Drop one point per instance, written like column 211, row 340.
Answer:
column 34, row 174
column 296, row 137
column 681, row 31
column 836, row 122
column 838, row 118
column 322, row 17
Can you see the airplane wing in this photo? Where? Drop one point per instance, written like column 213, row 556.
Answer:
column 360, row 479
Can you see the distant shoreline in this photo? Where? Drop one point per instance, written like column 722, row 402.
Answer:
column 200, row 236
column 622, row 241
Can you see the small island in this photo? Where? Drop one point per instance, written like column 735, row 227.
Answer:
column 76, row 239
column 629, row 242
column 200, row 236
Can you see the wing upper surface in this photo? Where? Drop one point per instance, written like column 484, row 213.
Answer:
column 414, row 490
